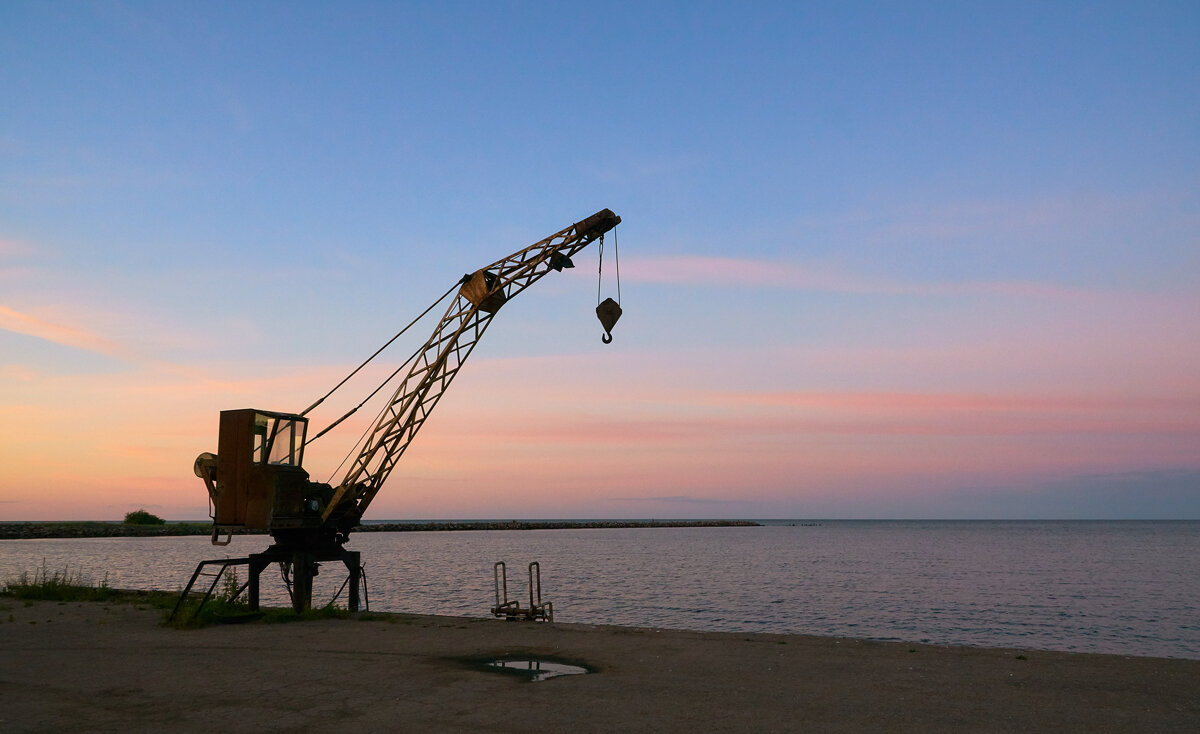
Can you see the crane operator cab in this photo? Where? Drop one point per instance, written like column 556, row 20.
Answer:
column 256, row 480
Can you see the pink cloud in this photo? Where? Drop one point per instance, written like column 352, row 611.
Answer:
column 22, row 323
column 10, row 247
column 735, row 272
column 966, row 219
column 789, row 418
column 729, row 272
column 798, row 439
column 896, row 413
column 581, row 432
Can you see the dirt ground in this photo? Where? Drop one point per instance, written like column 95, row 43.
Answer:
column 112, row 667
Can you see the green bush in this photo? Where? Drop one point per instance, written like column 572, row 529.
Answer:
column 141, row 517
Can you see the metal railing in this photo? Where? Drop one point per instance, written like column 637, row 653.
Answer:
column 511, row 609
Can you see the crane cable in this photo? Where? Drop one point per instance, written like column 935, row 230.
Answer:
column 367, row 399
column 390, row 377
column 376, row 354
column 616, row 265
column 366, row 431
column 608, row 310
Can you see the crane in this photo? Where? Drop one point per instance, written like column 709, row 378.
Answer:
column 256, row 480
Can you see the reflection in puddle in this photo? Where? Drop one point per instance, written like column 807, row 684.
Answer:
column 537, row 669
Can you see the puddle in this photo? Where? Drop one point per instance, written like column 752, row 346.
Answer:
column 536, row 669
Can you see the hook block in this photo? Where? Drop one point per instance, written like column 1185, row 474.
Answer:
column 608, row 312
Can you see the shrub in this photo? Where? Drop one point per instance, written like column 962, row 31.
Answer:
column 141, row 517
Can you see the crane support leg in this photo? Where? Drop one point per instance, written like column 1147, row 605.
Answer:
column 304, row 569
column 304, row 565
column 257, row 565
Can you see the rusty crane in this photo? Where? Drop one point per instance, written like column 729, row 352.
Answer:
column 256, row 481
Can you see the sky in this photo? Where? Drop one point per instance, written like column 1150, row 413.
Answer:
column 877, row 260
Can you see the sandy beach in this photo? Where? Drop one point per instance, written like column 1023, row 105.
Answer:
column 96, row 666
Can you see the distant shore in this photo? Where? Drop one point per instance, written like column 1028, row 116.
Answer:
column 99, row 529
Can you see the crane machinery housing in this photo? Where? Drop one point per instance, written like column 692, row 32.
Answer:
column 256, row 481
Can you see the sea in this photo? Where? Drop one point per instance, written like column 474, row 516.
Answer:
column 1118, row 587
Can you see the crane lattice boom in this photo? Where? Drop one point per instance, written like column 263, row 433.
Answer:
column 480, row 297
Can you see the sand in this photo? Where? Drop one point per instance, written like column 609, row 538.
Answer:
column 113, row 667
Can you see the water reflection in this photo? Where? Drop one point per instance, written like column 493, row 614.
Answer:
column 536, row 669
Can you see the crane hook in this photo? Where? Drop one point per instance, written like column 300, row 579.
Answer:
column 608, row 312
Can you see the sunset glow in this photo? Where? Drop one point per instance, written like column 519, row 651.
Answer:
column 871, row 265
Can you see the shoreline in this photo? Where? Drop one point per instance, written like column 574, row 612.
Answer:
column 165, row 600
column 422, row 672
column 34, row 530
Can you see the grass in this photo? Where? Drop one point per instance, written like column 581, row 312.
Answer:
column 224, row 606
column 64, row 585
column 67, row 585
column 223, row 611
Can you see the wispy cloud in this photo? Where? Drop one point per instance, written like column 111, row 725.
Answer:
column 892, row 413
column 733, row 272
column 960, row 402
column 18, row 373
column 22, row 323
column 730, row 272
column 20, row 275
column 1012, row 223
column 1014, row 219
column 678, row 499
column 13, row 248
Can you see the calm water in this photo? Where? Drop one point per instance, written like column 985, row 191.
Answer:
column 1114, row 587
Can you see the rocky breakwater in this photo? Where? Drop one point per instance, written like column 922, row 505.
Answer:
column 400, row 527
column 39, row 530
column 36, row 530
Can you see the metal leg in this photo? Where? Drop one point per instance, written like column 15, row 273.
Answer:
column 224, row 563
column 303, row 570
column 258, row 564
column 304, row 564
column 353, row 563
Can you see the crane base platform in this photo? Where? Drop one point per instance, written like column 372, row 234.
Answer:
column 300, row 566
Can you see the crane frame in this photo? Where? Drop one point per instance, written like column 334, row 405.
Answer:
column 256, row 480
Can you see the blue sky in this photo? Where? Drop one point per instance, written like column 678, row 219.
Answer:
column 878, row 259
